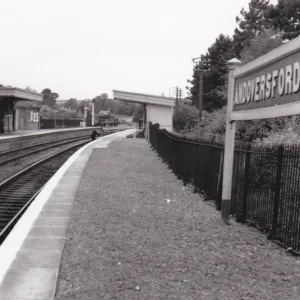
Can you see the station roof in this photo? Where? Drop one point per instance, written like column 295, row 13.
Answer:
column 27, row 104
column 20, row 94
column 144, row 98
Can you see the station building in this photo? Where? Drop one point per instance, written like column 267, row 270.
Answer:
column 26, row 115
column 13, row 117
column 157, row 109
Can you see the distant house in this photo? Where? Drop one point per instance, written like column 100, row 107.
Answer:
column 125, row 118
column 26, row 115
column 106, row 118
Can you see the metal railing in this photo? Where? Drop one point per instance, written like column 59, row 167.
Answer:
column 266, row 189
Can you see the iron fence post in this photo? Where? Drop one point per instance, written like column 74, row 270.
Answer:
column 246, row 184
column 219, row 184
column 277, row 191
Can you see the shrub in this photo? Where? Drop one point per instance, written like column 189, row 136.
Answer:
column 185, row 118
column 269, row 131
column 211, row 127
column 286, row 137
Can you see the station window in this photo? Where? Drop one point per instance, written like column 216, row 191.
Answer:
column 34, row 117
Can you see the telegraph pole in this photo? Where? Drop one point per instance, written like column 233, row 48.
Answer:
column 178, row 95
column 203, row 66
column 200, row 93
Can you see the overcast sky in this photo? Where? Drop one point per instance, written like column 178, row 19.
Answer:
column 84, row 48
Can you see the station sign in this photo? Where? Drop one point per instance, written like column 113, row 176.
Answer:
column 276, row 84
column 269, row 86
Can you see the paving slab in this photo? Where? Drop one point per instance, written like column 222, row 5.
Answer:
column 59, row 213
column 51, row 222
column 38, row 231
column 28, row 283
column 37, row 259
column 60, row 198
column 43, row 244
column 58, row 206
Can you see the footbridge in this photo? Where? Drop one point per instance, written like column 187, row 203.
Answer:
column 157, row 109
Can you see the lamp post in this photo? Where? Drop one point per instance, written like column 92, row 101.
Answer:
column 203, row 63
column 93, row 112
column 85, row 115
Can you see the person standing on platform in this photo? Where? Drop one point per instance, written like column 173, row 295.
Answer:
column 140, row 124
column 94, row 134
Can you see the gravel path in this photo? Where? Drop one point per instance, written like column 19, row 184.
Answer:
column 137, row 233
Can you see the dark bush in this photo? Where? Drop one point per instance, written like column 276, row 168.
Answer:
column 185, row 117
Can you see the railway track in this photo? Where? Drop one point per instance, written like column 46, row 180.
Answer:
column 14, row 161
column 18, row 191
column 8, row 156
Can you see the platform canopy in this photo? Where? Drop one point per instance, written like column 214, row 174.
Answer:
column 144, row 98
column 20, row 94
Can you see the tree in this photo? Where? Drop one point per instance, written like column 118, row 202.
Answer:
column 72, row 103
column 285, row 16
column 54, row 97
column 65, row 113
column 49, row 98
column 104, row 96
column 82, row 105
column 261, row 44
column 46, row 95
column 101, row 103
column 251, row 23
column 47, row 112
column 212, row 127
column 138, row 113
column 185, row 117
column 28, row 88
column 219, row 53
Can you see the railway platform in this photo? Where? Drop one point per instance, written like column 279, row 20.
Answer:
column 20, row 133
column 30, row 255
column 23, row 139
column 115, row 223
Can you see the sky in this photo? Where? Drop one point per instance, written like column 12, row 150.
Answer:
column 81, row 49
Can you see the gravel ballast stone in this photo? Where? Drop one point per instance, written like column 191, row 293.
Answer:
column 137, row 233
